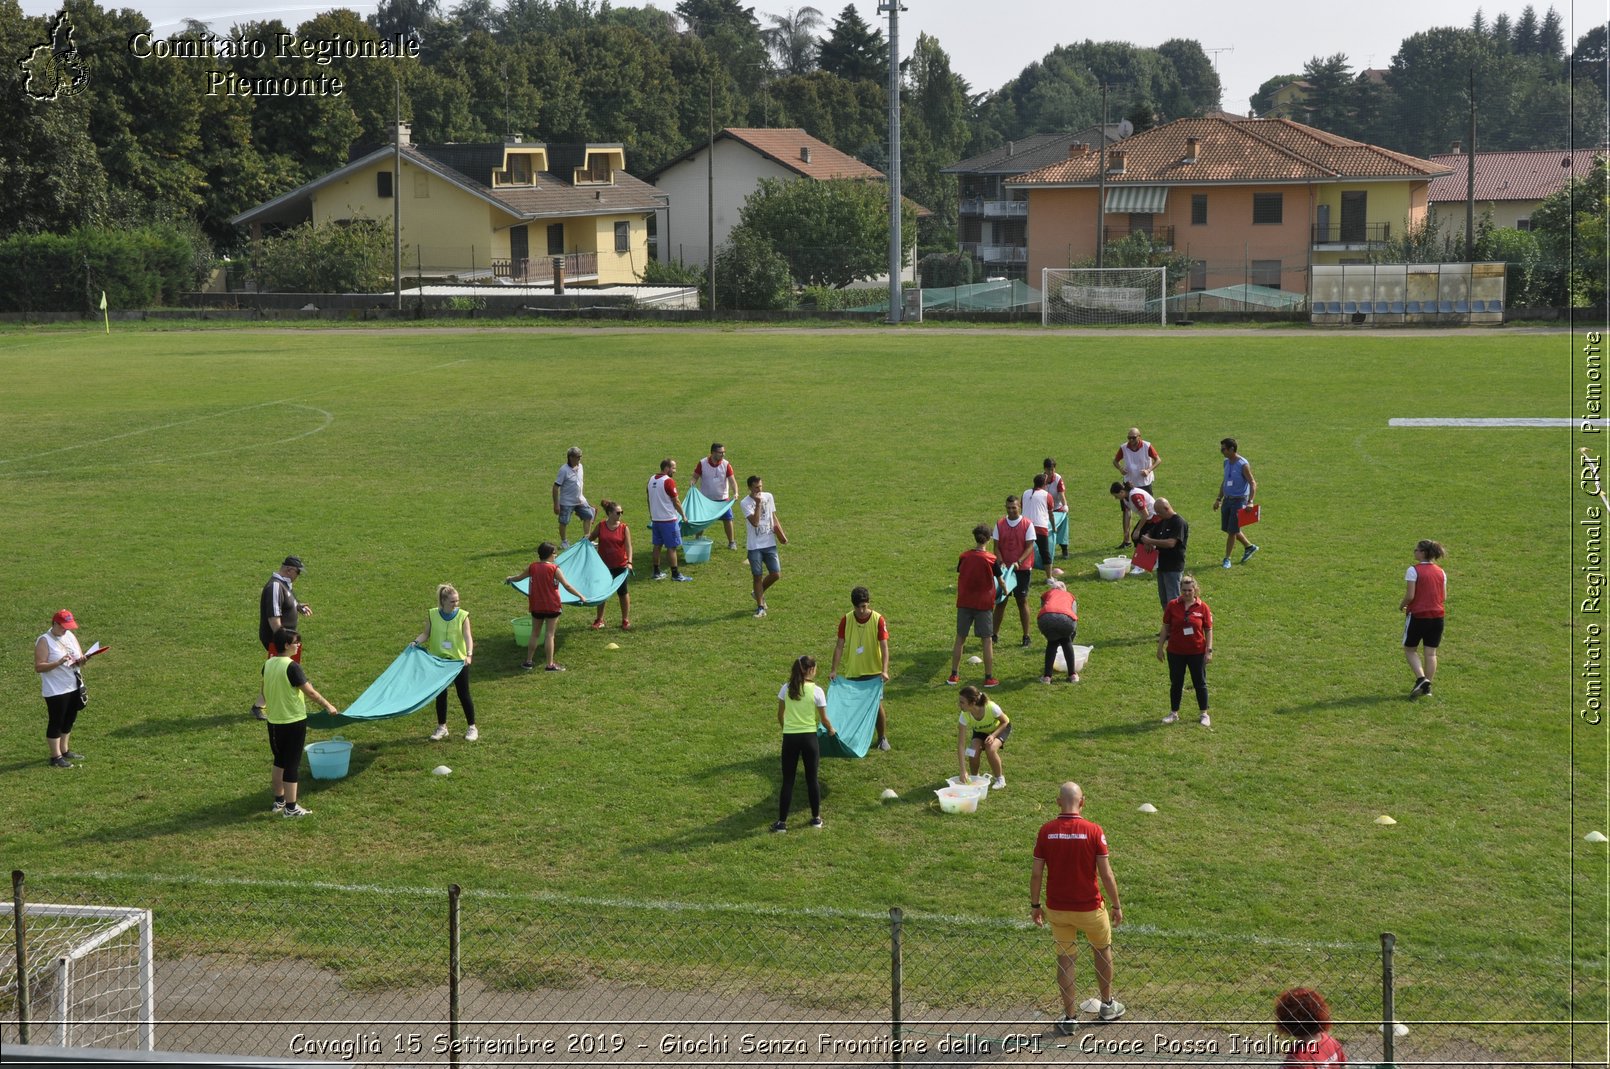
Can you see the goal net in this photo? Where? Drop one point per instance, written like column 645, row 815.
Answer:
column 88, row 973
column 1095, row 296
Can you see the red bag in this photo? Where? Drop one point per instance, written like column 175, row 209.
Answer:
column 1145, row 558
column 1247, row 515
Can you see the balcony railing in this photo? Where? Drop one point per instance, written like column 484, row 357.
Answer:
column 1355, row 234
column 1160, row 235
column 1004, row 254
column 539, row 269
column 972, row 206
column 1006, row 209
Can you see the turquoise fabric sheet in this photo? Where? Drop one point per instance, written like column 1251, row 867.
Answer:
column 852, row 707
column 412, row 681
column 1008, row 583
column 699, row 512
column 586, row 571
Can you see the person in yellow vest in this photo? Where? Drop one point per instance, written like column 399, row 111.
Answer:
column 866, row 633
column 286, row 689
column 447, row 635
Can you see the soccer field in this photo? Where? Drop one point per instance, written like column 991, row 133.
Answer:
column 154, row 479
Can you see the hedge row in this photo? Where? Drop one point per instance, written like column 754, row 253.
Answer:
column 143, row 267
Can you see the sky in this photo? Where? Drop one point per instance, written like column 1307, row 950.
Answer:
column 988, row 45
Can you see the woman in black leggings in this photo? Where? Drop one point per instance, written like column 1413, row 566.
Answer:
column 801, row 705
column 1187, row 641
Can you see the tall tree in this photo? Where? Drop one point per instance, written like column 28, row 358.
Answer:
column 1331, row 93
column 731, row 33
column 1197, row 88
column 792, row 39
column 934, row 134
column 1524, row 40
column 1551, row 36
column 1501, row 33
column 853, row 50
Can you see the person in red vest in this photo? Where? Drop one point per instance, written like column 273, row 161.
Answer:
column 1425, row 587
column 978, row 579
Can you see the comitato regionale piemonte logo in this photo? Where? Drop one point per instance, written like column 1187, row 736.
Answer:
column 52, row 66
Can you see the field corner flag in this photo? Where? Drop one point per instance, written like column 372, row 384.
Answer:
column 105, row 314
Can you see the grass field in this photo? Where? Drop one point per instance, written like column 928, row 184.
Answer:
column 155, row 478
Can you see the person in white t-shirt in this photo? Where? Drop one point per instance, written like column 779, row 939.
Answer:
column 1037, row 510
column 1135, row 460
column 718, row 482
column 665, row 518
column 763, row 532
column 568, row 497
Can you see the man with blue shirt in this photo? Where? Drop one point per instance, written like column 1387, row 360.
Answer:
column 1235, row 493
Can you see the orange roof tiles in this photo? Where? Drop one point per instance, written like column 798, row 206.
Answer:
column 1511, row 175
column 1248, row 150
column 784, row 146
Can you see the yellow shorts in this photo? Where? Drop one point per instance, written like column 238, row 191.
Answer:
column 1066, row 925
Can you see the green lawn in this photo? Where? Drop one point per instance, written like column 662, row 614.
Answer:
column 155, row 478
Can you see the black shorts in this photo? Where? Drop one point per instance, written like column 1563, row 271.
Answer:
column 980, row 736
column 544, row 616
column 1426, row 629
column 613, row 572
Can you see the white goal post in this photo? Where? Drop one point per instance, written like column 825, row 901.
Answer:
column 1097, row 296
column 89, row 973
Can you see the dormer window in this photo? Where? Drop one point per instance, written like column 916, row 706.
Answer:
column 520, row 169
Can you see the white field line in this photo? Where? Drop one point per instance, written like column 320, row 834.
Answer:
column 1506, row 421
column 671, row 906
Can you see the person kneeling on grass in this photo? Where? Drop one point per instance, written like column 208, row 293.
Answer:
column 542, row 598
column 286, row 690
column 801, row 705
column 987, row 727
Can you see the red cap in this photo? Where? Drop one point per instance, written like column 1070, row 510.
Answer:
column 65, row 619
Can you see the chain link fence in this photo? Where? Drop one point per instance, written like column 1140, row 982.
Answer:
column 396, row 977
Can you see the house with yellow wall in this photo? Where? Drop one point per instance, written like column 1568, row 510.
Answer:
column 498, row 210
column 1252, row 201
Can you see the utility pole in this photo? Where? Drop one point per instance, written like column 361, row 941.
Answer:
column 896, row 296
column 1470, row 176
column 1101, row 183
column 710, row 186
column 396, row 196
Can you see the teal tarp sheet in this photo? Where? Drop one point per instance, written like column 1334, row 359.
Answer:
column 413, row 679
column 1059, row 537
column 852, row 708
column 586, row 571
column 1008, row 583
column 699, row 512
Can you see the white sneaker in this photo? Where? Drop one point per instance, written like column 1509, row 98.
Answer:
column 732, row 545
column 1171, row 718
column 472, row 733
column 1112, row 1010
column 1206, row 721
column 439, row 734
column 883, row 744
column 565, row 544
column 998, row 784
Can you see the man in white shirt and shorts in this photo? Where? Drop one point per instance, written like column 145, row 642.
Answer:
column 718, row 482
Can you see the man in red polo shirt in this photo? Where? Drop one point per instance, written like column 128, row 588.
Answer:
column 978, row 577
column 1075, row 852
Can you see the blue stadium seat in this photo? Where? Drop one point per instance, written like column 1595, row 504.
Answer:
column 1349, row 307
column 1397, row 308
column 1461, row 307
column 1382, row 307
column 1446, row 307
column 1413, row 308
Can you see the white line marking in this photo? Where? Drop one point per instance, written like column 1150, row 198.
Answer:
column 1516, row 421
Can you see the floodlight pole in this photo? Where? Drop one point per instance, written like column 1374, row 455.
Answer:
column 1470, row 177
column 710, row 193
column 896, row 298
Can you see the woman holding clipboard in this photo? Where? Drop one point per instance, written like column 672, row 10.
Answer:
column 57, row 659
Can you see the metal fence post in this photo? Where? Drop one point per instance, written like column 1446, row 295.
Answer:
column 454, row 972
column 23, row 1021
column 896, row 978
column 1389, row 1014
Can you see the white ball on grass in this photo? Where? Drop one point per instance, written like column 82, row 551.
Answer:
column 441, row 770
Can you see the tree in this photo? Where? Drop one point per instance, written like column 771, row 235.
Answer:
column 1551, row 36
column 751, row 274
column 1501, row 33
column 354, row 257
column 792, row 39
column 853, row 50
column 1198, row 87
column 1330, row 94
column 732, row 34
column 1524, row 38
column 831, row 233
column 1570, row 227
